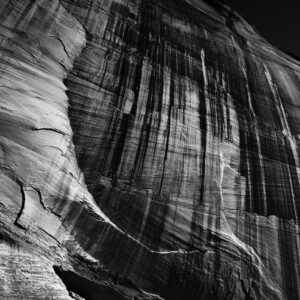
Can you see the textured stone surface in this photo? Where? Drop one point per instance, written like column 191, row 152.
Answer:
column 148, row 150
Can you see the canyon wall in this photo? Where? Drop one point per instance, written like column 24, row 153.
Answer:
column 149, row 149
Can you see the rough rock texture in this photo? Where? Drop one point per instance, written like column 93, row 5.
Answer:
column 149, row 149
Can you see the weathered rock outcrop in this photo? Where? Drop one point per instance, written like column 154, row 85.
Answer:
column 149, row 149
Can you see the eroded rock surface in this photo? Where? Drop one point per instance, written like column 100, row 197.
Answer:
column 148, row 150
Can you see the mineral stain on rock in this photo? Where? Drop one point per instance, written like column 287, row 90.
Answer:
column 149, row 149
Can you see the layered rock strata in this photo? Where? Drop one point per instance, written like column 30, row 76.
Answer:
column 149, row 150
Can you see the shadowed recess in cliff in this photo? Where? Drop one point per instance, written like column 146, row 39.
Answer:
column 86, row 288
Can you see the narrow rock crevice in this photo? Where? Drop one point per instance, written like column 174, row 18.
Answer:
column 86, row 288
column 17, row 223
column 50, row 129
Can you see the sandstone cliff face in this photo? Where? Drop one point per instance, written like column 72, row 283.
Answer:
column 148, row 150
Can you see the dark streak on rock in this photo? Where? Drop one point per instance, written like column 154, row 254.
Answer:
column 22, row 206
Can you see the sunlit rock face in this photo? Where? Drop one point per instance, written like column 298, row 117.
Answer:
column 148, row 150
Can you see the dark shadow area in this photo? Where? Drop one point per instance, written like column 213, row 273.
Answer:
column 6, row 238
column 86, row 288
